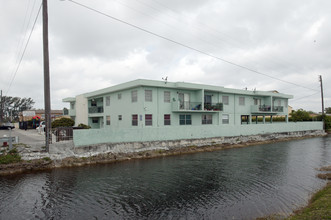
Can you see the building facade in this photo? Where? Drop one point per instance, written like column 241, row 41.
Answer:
column 148, row 103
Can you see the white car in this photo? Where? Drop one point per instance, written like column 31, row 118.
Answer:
column 41, row 126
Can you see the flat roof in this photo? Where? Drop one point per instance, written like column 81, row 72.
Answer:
column 177, row 85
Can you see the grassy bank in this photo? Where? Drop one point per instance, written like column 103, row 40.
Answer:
column 11, row 156
column 319, row 206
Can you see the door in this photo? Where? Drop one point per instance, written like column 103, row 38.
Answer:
column 184, row 100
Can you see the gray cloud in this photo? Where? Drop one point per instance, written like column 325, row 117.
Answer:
column 287, row 40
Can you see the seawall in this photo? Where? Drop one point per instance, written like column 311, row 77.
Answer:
column 65, row 154
column 83, row 137
column 221, row 142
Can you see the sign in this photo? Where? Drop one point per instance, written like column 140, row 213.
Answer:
column 29, row 113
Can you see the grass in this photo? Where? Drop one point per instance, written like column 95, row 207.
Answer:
column 318, row 208
column 11, row 156
column 47, row 159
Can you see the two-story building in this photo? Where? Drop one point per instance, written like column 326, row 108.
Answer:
column 149, row 103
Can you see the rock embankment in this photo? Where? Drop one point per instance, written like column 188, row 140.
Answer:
column 66, row 155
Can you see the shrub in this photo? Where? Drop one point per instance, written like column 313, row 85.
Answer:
column 47, row 159
column 84, row 126
column 300, row 115
column 327, row 121
column 63, row 122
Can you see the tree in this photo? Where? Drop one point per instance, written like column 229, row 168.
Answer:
column 300, row 115
column 328, row 110
column 12, row 106
column 63, row 122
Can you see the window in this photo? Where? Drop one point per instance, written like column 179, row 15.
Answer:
column 241, row 100
column 166, row 96
column 225, row 100
column 93, row 102
column 72, row 105
column 279, row 102
column 207, row 119
column 120, row 117
column 185, row 120
column 119, row 96
column 148, row 119
column 225, row 119
column 134, row 96
column 107, row 100
column 167, row 120
column 95, row 120
column 134, row 120
column 148, row 96
column 108, row 120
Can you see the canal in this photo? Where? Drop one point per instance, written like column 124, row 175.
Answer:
column 238, row 183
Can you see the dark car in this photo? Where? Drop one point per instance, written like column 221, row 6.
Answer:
column 6, row 126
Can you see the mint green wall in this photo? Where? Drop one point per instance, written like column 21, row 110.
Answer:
column 114, row 135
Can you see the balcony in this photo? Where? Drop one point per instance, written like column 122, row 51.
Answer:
column 95, row 109
column 195, row 107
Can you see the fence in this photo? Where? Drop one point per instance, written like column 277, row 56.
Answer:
column 63, row 133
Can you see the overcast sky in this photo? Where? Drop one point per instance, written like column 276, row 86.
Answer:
column 287, row 40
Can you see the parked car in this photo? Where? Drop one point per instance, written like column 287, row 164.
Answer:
column 41, row 127
column 6, row 126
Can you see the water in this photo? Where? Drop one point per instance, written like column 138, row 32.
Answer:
column 232, row 184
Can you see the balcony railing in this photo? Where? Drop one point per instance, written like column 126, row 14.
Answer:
column 213, row 106
column 95, row 109
column 266, row 108
column 196, row 106
column 278, row 109
column 190, row 105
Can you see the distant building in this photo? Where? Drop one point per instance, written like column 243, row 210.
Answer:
column 29, row 114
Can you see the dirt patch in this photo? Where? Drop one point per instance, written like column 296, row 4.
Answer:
column 325, row 176
column 328, row 168
column 25, row 166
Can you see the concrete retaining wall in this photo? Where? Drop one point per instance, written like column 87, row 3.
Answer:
column 130, row 147
column 173, row 133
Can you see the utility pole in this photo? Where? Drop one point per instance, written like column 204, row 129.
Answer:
column 47, row 96
column 1, row 108
column 322, row 100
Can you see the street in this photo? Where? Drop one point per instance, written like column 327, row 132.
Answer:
column 29, row 137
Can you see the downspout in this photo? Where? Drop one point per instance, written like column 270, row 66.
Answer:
column 157, row 106
column 234, row 108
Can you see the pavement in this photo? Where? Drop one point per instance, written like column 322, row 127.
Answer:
column 31, row 144
column 29, row 137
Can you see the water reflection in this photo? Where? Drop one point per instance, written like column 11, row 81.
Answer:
column 238, row 183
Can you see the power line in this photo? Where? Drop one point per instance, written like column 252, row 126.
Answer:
column 187, row 46
column 26, row 45
column 294, row 100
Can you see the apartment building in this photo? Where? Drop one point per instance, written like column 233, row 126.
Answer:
column 149, row 103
